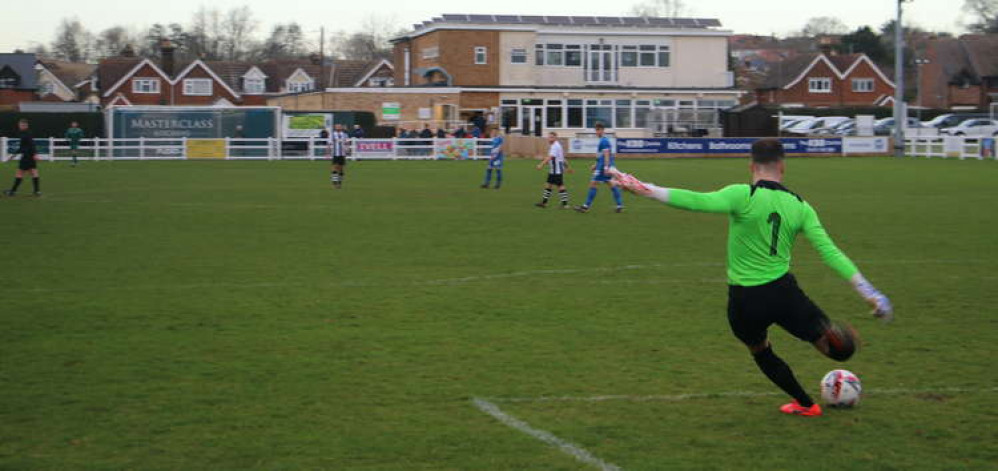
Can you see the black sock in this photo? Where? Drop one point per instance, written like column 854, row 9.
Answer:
column 547, row 196
column 37, row 183
column 781, row 375
column 17, row 183
column 563, row 194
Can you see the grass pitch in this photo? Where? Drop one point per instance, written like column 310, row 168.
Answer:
column 243, row 315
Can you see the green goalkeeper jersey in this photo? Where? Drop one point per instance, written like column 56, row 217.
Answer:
column 764, row 220
column 73, row 135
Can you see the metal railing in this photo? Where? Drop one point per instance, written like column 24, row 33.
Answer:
column 252, row 149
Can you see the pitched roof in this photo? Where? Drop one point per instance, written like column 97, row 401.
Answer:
column 982, row 54
column 783, row 72
column 787, row 72
column 24, row 66
column 110, row 71
column 69, row 73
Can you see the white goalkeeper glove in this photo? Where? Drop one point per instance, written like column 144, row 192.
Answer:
column 629, row 183
column 882, row 308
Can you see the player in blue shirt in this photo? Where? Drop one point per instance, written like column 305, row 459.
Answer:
column 496, row 159
column 601, row 172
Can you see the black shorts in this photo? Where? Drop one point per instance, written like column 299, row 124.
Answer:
column 339, row 160
column 556, row 180
column 752, row 309
column 27, row 163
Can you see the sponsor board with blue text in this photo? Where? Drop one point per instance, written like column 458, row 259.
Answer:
column 723, row 146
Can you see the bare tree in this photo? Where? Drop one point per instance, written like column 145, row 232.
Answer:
column 72, row 41
column 285, row 41
column 238, row 27
column 824, row 26
column 984, row 15
column 371, row 42
column 660, row 8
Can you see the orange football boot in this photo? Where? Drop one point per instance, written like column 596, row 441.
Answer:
column 794, row 408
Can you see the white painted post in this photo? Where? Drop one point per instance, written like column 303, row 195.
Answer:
column 311, row 148
column 226, row 148
column 51, row 149
column 3, row 149
column 142, row 148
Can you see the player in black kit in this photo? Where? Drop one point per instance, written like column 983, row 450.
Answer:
column 29, row 161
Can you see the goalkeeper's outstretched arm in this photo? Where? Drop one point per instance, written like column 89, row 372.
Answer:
column 723, row 201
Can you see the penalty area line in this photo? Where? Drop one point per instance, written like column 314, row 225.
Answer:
column 544, row 436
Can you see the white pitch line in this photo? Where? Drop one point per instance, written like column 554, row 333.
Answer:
column 718, row 395
column 471, row 278
column 565, row 446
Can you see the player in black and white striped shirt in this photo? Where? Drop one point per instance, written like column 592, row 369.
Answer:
column 558, row 165
column 339, row 147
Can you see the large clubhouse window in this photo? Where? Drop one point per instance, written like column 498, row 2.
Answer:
column 559, row 55
column 197, row 87
column 644, row 56
column 145, row 86
column 573, row 55
column 819, row 85
column 618, row 113
column 555, row 54
column 518, row 56
column 862, row 85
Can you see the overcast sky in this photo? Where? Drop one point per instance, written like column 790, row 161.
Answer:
column 23, row 26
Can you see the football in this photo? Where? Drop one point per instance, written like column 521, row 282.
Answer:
column 841, row 388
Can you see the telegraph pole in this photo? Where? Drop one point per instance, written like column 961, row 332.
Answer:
column 900, row 116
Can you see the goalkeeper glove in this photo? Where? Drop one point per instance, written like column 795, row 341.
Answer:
column 882, row 308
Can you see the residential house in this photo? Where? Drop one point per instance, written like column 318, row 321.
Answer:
column 130, row 80
column 61, row 81
column 826, row 79
column 18, row 79
column 959, row 73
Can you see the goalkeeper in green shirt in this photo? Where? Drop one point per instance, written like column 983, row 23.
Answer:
column 73, row 136
column 764, row 221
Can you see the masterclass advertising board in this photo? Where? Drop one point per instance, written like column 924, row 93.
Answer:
column 193, row 123
column 723, row 146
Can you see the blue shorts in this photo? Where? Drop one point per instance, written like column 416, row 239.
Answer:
column 496, row 163
column 600, row 177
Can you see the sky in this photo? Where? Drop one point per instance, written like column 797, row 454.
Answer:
column 22, row 27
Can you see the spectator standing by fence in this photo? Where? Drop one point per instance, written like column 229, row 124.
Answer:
column 358, row 132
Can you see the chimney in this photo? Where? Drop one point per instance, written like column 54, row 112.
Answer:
column 826, row 46
column 167, row 60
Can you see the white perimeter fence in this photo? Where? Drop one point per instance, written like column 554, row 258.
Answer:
column 951, row 147
column 253, row 149
column 387, row 149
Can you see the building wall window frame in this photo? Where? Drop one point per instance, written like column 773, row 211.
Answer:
column 198, row 87
column 518, row 56
column 481, row 55
column 862, row 85
column 146, row 86
column 819, row 85
column 254, row 86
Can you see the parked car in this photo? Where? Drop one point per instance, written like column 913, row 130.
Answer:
column 973, row 128
column 833, row 130
column 885, row 127
column 847, row 128
column 809, row 126
column 786, row 121
column 950, row 120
